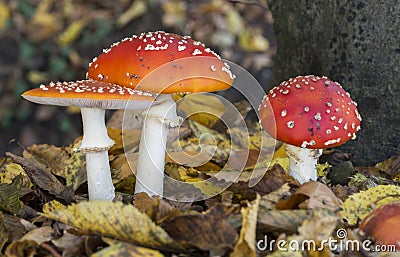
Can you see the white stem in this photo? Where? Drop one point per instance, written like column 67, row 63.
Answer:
column 303, row 162
column 95, row 143
column 150, row 170
column 99, row 180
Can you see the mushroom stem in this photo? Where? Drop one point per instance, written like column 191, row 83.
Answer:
column 158, row 119
column 95, row 144
column 303, row 162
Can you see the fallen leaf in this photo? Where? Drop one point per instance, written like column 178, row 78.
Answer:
column 44, row 23
column 281, row 221
column 203, row 231
column 4, row 15
column 71, row 245
column 157, row 209
column 24, row 248
column 75, row 171
column 14, row 227
column 253, row 41
column 9, row 196
column 125, row 140
column 11, row 171
column 127, row 250
column 269, row 200
column 137, row 9
column 39, row 235
column 391, row 167
column 44, row 180
column 273, row 179
column 72, row 32
column 53, row 159
column 246, row 244
column 318, row 226
column 311, row 195
column 3, row 232
column 117, row 220
column 359, row 205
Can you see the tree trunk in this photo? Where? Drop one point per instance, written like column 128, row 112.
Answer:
column 353, row 42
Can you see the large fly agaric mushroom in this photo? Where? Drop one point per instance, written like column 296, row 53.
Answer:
column 93, row 97
column 311, row 113
column 160, row 63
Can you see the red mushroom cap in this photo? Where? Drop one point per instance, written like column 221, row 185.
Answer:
column 90, row 94
column 383, row 224
column 177, row 61
column 311, row 112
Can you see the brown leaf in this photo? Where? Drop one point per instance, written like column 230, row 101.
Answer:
column 46, row 182
column 14, row 228
column 127, row 250
column 281, row 221
column 203, row 231
column 3, row 232
column 157, row 209
column 39, row 235
column 53, row 159
column 311, row 195
column 71, row 245
column 342, row 192
column 24, row 248
column 246, row 245
column 124, row 139
column 273, row 179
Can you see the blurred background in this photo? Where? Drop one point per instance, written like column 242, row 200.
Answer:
column 54, row 40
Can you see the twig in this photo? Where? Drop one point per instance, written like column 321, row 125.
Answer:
column 50, row 249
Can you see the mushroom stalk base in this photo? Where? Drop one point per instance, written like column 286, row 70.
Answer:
column 157, row 121
column 95, row 144
column 303, row 162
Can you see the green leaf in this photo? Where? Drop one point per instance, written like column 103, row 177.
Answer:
column 9, row 196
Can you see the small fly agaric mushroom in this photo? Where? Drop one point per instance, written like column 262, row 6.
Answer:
column 161, row 63
column 311, row 113
column 93, row 97
column 383, row 225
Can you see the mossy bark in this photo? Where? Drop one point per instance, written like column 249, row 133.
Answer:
column 353, row 42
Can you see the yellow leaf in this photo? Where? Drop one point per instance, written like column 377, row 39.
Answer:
column 4, row 15
column 44, row 23
column 246, row 245
column 127, row 250
column 205, row 109
column 72, row 32
column 53, row 206
column 234, row 21
column 117, row 220
column 322, row 169
column 252, row 41
column 359, row 205
column 9, row 196
column 75, row 171
column 11, row 171
column 137, row 9
column 208, row 188
column 37, row 77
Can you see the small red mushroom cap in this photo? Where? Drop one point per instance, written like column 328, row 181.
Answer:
column 161, row 62
column 90, row 94
column 383, row 225
column 310, row 112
